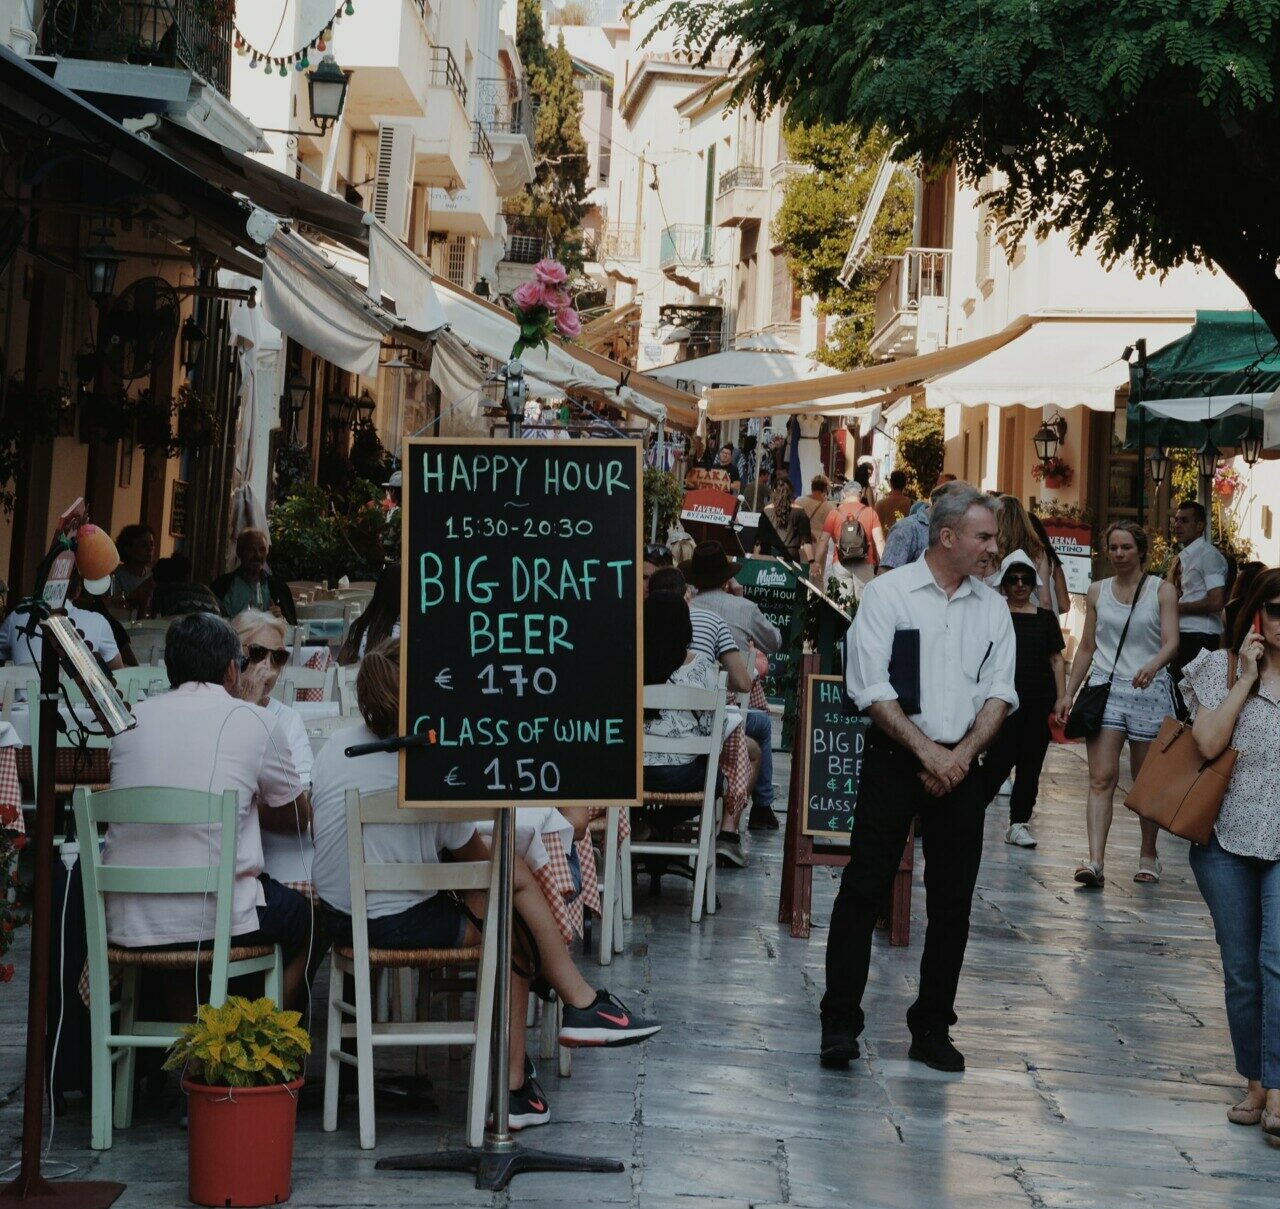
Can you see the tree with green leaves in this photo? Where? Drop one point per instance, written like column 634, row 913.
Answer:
column 556, row 200
column 816, row 219
column 1149, row 126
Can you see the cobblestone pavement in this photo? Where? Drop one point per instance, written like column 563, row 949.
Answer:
column 1099, row 1063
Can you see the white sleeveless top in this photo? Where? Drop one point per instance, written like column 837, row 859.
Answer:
column 1143, row 641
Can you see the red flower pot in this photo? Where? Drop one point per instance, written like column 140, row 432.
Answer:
column 1055, row 481
column 240, row 1143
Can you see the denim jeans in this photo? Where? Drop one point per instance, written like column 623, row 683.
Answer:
column 760, row 728
column 1243, row 894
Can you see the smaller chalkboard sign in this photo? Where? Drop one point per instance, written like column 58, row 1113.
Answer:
column 833, row 747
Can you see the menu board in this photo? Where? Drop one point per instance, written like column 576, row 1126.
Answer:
column 1072, row 541
column 520, row 616
column 775, row 588
column 833, row 746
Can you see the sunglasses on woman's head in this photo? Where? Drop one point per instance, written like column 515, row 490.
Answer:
column 279, row 656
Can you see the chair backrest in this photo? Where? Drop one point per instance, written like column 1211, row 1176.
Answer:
column 13, row 682
column 133, row 682
column 382, row 809
column 321, row 609
column 92, row 741
column 293, row 679
column 319, row 730
column 346, row 681
column 697, row 700
column 158, row 806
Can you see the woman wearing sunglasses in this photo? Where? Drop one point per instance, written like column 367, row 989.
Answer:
column 1039, row 676
column 1239, row 871
column 286, row 834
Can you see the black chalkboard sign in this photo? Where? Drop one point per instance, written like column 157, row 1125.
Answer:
column 833, row 748
column 774, row 587
column 520, row 617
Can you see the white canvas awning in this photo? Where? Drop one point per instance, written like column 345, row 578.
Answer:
column 1059, row 361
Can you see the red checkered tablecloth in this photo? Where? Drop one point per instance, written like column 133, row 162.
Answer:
column 756, row 699
column 736, row 766
column 320, row 661
column 10, row 792
column 557, row 884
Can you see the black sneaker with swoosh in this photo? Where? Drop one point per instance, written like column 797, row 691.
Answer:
column 527, row 1106
column 606, row 1021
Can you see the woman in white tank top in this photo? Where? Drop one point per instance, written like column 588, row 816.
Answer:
column 1141, row 690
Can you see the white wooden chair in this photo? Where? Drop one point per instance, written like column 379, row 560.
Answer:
column 145, row 678
column 701, row 849
column 294, row 679
column 346, row 681
column 319, row 730
column 215, row 881
column 13, row 684
column 321, row 618
column 358, row 960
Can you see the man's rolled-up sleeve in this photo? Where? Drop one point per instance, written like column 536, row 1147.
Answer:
column 996, row 682
column 869, row 645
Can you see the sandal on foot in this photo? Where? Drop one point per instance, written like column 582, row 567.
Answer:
column 1244, row 1113
column 1090, row 874
column 1271, row 1126
column 1149, row 870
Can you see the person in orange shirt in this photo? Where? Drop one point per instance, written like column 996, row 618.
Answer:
column 863, row 567
column 895, row 503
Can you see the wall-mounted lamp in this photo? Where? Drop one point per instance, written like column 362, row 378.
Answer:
column 1049, row 436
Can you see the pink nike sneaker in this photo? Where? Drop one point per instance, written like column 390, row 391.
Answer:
column 607, row 1021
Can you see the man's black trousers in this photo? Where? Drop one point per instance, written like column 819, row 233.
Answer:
column 889, row 797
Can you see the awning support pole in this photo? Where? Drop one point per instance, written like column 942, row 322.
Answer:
column 653, row 523
column 1142, row 465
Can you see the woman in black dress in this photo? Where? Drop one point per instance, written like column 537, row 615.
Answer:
column 1039, row 677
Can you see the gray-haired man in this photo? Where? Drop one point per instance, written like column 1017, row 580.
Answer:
column 960, row 664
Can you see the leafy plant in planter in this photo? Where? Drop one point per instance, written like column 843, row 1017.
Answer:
column 663, row 491
column 12, row 916
column 1054, row 472
column 197, row 421
column 369, row 457
column 921, row 448
column 242, row 1070
column 316, row 536
column 106, row 417
column 293, row 469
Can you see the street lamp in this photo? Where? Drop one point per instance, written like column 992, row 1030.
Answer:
column 1048, row 437
column 364, row 405
column 1159, row 464
column 327, row 92
column 191, row 342
column 102, row 261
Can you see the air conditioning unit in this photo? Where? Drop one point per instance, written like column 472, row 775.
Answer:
column 393, row 177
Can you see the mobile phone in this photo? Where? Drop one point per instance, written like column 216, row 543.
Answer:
column 1256, row 628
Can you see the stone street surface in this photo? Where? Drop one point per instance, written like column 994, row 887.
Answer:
column 1099, row 1064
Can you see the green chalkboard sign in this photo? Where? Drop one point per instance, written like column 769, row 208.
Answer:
column 520, row 623
column 834, row 741
column 775, row 588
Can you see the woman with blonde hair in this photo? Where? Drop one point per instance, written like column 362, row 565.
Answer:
column 1014, row 531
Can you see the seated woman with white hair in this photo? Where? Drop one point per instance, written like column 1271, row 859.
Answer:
column 286, row 834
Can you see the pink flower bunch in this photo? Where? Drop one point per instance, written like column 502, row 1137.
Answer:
column 543, row 307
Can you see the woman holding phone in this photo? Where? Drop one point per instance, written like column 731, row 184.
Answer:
column 1130, row 635
column 1238, row 872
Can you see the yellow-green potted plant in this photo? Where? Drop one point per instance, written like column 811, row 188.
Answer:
column 242, row 1071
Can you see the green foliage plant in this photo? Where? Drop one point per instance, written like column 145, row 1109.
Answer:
column 316, row 536
column 663, row 491
column 243, row 1043
column 1147, row 129
column 921, row 442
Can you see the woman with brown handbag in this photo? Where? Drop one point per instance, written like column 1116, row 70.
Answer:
column 1238, row 872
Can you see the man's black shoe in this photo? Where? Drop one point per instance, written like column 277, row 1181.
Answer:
column 762, row 818
column 839, row 1046
column 936, row 1050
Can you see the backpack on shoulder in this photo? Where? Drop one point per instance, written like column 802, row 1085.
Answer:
column 852, row 546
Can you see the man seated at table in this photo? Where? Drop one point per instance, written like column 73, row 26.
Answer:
column 414, row 919
column 252, row 585
column 17, row 647
column 175, row 593
column 202, row 736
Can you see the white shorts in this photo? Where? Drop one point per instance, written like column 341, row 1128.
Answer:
column 1138, row 712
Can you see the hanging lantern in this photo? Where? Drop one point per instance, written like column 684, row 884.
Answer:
column 1207, row 457
column 191, row 342
column 327, row 92
column 101, row 262
column 1046, row 442
column 1158, row 463
column 1251, row 445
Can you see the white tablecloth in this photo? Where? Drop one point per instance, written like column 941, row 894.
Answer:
column 311, row 711
column 9, row 736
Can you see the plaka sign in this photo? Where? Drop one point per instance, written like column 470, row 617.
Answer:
column 521, row 623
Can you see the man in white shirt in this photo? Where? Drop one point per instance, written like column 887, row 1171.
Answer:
column 1203, row 590
column 202, row 736
column 924, row 764
column 16, row 647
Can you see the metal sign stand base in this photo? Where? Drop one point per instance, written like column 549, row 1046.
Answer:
column 500, row 1158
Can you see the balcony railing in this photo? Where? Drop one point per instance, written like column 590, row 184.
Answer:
column 744, row 176
column 685, row 244
column 480, row 144
column 620, row 241
column 444, row 72
column 502, row 107
column 153, row 33
column 527, row 249
column 916, row 287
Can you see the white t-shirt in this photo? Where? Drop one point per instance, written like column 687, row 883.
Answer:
column 96, row 629
column 289, row 857
column 333, row 774
column 195, row 737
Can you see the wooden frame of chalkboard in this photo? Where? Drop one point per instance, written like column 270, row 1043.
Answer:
column 619, row 627
column 847, row 776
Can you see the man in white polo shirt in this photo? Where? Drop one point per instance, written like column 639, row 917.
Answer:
column 1204, row 586
column 930, row 656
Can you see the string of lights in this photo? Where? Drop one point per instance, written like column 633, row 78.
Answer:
column 299, row 58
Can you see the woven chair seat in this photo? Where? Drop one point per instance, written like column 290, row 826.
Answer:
column 693, row 798
column 181, row 959
column 424, row 959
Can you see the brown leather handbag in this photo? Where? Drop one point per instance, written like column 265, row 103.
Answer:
column 1178, row 789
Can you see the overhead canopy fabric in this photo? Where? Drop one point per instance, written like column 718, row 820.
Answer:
column 1220, row 372
column 872, row 379
column 492, row 331
column 1061, row 361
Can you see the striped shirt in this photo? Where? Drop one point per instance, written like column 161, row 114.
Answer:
column 711, row 635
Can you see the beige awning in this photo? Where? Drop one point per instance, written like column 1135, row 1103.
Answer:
column 800, row 397
column 602, row 329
